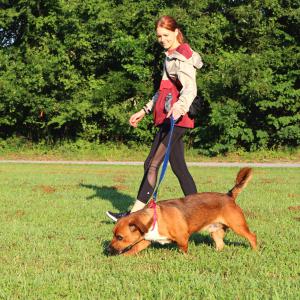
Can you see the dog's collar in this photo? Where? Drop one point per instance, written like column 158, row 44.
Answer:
column 152, row 204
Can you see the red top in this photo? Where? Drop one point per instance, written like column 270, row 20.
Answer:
column 166, row 88
column 169, row 90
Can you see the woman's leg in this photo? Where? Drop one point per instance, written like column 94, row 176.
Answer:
column 177, row 162
column 152, row 164
column 151, row 167
column 179, row 166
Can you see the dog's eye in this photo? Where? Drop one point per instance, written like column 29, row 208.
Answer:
column 119, row 238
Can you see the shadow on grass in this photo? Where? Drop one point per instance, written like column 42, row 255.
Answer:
column 104, row 248
column 200, row 239
column 119, row 200
column 196, row 238
column 171, row 246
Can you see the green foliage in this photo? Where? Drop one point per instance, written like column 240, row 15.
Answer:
column 78, row 69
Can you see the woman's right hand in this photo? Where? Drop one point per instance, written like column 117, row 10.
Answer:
column 137, row 117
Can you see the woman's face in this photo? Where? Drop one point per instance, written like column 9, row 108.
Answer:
column 167, row 38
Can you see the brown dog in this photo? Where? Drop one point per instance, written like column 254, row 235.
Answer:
column 177, row 219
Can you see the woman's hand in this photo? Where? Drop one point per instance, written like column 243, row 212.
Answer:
column 175, row 112
column 137, row 117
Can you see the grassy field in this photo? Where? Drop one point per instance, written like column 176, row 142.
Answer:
column 83, row 150
column 54, row 233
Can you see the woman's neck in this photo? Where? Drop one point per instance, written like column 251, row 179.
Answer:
column 173, row 48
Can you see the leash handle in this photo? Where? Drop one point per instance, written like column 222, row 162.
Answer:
column 166, row 158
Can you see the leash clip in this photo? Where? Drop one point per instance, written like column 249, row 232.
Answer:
column 152, row 203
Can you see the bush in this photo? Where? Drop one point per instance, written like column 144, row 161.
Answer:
column 69, row 70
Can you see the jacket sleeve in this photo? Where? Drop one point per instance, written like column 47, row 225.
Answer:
column 186, row 74
column 150, row 104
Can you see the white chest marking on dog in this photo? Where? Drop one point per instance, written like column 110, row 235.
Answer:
column 154, row 236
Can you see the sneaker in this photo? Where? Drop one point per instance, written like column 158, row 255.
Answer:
column 116, row 216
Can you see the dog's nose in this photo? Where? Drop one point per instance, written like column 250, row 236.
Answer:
column 111, row 250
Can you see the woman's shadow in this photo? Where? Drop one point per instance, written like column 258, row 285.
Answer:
column 119, row 200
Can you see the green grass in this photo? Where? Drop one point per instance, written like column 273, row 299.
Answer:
column 54, row 233
column 16, row 148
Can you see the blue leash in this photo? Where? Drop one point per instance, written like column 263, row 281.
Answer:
column 166, row 159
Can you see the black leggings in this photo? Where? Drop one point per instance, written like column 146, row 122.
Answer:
column 177, row 161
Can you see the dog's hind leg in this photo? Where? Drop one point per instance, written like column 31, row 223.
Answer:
column 238, row 224
column 246, row 233
column 218, row 237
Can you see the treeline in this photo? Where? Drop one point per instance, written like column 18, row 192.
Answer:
column 78, row 69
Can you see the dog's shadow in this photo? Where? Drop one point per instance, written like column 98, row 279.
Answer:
column 200, row 239
column 197, row 238
column 119, row 200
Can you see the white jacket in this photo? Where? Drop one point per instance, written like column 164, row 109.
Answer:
column 181, row 65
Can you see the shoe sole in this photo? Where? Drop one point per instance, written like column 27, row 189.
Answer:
column 111, row 216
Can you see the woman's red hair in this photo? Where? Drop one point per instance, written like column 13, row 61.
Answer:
column 170, row 23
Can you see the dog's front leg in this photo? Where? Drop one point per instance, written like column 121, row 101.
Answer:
column 179, row 234
column 183, row 243
column 138, row 247
column 184, row 248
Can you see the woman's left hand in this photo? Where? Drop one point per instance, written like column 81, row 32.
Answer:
column 175, row 112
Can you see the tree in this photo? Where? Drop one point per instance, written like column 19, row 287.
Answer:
column 78, row 69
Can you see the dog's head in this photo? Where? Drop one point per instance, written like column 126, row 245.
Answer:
column 128, row 231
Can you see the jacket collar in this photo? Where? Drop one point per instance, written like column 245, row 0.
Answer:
column 195, row 58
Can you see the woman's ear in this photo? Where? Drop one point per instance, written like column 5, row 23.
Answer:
column 176, row 31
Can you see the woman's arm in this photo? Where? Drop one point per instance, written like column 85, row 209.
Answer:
column 149, row 105
column 138, row 116
column 186, row 74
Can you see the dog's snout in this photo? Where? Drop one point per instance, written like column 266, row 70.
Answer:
column 111, row 250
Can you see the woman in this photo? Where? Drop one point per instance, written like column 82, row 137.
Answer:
column 176, row 93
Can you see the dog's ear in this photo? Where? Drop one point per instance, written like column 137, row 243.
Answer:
column 136, row 224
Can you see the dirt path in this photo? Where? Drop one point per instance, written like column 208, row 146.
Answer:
column 199, row 164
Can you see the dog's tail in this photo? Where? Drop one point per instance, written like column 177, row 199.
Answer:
column 241, row 181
